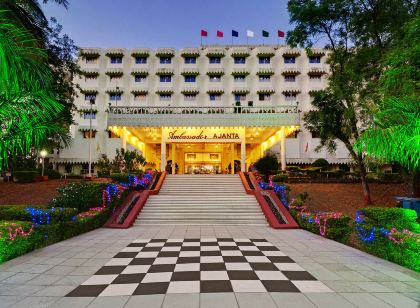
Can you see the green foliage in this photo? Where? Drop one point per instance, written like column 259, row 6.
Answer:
column 280, row 178
column 52, row 174
column 81, row 196
column 337, row 229
column 12, row 212
column 395, row 136
column 267, row 165
column 25, row 176
column 119, row 177
column 21, row 245
column 406, row 253
column 389, row 218
column 321, row 162
column 104, row 165
column 128, row 161
column 28, row 108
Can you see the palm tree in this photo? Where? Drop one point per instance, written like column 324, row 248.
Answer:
column 395, row 136
column 28, row 108
column 29, row 14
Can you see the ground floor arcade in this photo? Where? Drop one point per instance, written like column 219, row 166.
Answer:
column 199, row 149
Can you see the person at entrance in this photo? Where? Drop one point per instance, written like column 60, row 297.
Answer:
column 230, row 168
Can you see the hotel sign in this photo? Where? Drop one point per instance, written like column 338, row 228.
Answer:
column 183, row 135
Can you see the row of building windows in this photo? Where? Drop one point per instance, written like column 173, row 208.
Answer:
column 212, row 78
column 192, row 60
column 187, row 97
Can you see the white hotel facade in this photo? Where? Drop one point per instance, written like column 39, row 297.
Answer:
column 197, row 110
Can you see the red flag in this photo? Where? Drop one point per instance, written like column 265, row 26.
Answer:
column 204, row 33
column 219, row 34
column 280, row 33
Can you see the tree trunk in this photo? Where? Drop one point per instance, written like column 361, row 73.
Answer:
column 365, row 186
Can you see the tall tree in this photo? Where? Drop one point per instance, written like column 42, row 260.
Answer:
column 28, row 108
column 357, row 33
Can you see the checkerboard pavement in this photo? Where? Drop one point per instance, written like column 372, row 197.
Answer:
column 206, row 265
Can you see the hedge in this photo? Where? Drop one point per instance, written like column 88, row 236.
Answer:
column 44, row 235
column 337, row 228
column 80, row 196
column 25, row 176
column 391, row 234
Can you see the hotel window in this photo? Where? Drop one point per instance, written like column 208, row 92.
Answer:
column 165, row 97
column 91, row 60
column 139, row 97
column 315, row 59
column 215, row 97
column 190, row 78
column 89, row 78
column 239, row 78
column 315, row 77
column 264, row 60
column 140, row 78
column 165, row 60
column 141, row 60
column 215, row 60
column 289, row 60
column 111, row 134
column 240, row 97
column 88, row 115
column 115, row 78
column 86, row 134
column 239, row 60
column 289, row 78
column 264, row 97
column 116, row 59
column 165, row 78
column 215, row 78
column 190, row 97
column 114, row 97
column 89, row 97
column 189, row 60
column 290, row 97
column 264, row 78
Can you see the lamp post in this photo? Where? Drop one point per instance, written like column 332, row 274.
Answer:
column 92, row 101
column 43, row 154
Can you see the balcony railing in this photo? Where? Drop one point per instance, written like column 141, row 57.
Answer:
column 172, row 116
column 203, row 110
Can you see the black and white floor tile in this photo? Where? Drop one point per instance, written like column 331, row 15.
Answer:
column 160, row 266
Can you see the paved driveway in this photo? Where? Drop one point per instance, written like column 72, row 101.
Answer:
column 212, row 266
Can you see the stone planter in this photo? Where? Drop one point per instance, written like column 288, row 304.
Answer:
column 41, row 178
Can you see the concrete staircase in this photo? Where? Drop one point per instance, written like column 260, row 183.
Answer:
column 202, row 200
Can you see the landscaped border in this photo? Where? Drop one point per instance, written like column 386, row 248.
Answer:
column 265, row 207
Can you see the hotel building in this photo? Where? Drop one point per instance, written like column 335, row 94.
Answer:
column 212, row 109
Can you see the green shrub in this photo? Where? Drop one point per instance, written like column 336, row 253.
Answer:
column 266, row 165
column 389, row 218
column 376, row 220
column 12, row 212
column 25, row 176
column 20, row 245
column 337, row 229
column 292, row 168
column 52, row 174
column 80, row 196
column 322, row 163
column 280, row 178
column 119, row 177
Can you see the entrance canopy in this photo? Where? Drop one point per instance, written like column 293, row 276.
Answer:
column 236, row 134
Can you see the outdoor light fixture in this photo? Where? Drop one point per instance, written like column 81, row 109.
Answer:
column 43, row 154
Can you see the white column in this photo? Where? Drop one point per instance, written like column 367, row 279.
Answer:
column 162, row 155
column 173, row 158
column 243, row 155
column 124, row 138
column 232, row 159
column 283, row 148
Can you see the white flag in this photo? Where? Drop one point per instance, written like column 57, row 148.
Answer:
column 249, row 33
